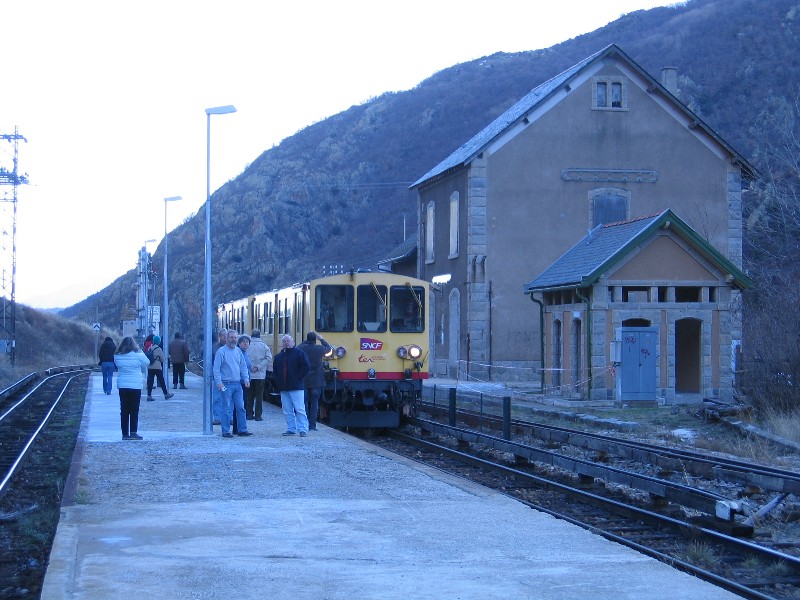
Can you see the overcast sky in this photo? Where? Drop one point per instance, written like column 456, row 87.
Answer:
column 111, row 102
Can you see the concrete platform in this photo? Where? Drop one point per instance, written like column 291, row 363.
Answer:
column 186, row 515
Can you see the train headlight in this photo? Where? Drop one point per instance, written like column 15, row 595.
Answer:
column 414, row 352
column 402, row 352
column 340, row 352
column 370, row 373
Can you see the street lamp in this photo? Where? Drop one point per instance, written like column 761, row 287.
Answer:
column 165, row 334
column 207, row 358
column 144, row 279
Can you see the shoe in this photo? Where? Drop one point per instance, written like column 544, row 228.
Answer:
column 250, row 418
column 126, row 437
column 288, row 433
column 135, row 436
column 227, row 435
column 151, row 399
column 216, row 422
column 303, row 434
column 174, row 386
column 168, row 396
column 183, row 387
column 258, row 419
column 312, row 429
column 244, row 433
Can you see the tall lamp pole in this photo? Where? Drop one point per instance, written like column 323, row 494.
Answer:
column 165, row 333
column 145, row 282
column 207, row 345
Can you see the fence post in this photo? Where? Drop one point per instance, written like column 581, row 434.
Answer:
column 452, row 407
column 506, row 418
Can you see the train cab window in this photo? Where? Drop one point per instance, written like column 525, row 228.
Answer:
column 333, row 308
column 371, row 302
column 407, row 306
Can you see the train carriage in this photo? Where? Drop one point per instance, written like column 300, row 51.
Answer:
column 376, row 325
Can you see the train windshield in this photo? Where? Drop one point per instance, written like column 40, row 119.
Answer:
column 407, row 309
column 333, row 308
column 371, row 300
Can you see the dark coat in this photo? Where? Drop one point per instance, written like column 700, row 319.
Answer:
column 289, row 369
column 107, row 350
column 314, row 352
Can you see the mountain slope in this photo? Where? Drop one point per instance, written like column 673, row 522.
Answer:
column 337, row 191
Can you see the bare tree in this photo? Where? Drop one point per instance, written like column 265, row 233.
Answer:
column 772, row 258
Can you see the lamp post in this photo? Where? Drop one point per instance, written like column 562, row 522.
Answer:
column 207, row 330
column 144, row 266
column 165, row 333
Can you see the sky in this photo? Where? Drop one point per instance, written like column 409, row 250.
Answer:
column 110, row 98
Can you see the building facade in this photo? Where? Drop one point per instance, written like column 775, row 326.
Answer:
column 601, row 142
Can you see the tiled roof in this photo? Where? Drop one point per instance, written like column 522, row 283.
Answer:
column 402, row 251
column 606, row 245
column 587, row 256
column 517, row 112
column 474, row 146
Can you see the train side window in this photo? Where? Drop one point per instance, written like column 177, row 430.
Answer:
column 371, row 304
column 407, row 306
column 333, row 308
column 271, row 318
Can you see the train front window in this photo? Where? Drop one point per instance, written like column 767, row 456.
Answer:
column 333, row 308
column 407, row 305
column 371, row 300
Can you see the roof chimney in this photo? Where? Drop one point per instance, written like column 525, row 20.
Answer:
column 669, row 79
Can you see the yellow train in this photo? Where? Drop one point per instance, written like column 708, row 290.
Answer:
column 377, row 326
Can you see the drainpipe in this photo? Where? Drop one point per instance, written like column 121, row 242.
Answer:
column 588, row 341
column 541, row 343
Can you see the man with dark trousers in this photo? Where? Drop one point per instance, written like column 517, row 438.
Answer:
column 178, row 356
column 315, row 380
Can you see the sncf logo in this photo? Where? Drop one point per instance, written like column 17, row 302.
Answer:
column 370, row 344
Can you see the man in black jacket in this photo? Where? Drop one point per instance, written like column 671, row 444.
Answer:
column 315, row 380
column 289, row 370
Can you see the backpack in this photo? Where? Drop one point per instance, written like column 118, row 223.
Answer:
column 149, row 354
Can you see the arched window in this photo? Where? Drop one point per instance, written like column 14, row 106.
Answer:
column 609, row 205
column 454, row 200
column 429, row 230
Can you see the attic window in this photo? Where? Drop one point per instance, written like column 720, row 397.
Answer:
column 609, row 93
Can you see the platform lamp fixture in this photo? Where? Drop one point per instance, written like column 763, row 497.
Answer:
column 207, row 329
column 165, row 333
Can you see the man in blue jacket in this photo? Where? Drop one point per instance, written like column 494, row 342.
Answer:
column 289, row 370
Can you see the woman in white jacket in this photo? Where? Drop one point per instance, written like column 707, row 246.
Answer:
column 131, row 366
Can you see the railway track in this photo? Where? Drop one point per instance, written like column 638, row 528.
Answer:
column 677, row 524
column 39, row 424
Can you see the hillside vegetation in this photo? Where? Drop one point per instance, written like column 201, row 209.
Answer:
column 337, row 191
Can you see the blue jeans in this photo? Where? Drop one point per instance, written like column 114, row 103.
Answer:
column 312, row 405
column 293, row 403
column 232, row 402
column 108, row 375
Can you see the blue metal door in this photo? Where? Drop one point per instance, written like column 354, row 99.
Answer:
column 639, row 363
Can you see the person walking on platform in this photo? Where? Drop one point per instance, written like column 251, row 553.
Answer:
column 106, row 356
column 290, row 368
column 216, row 396
column 132, row 364
column 156, row 371
column 315, row 380
column 230, row 374
column 178, row 356
column 261, row 358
